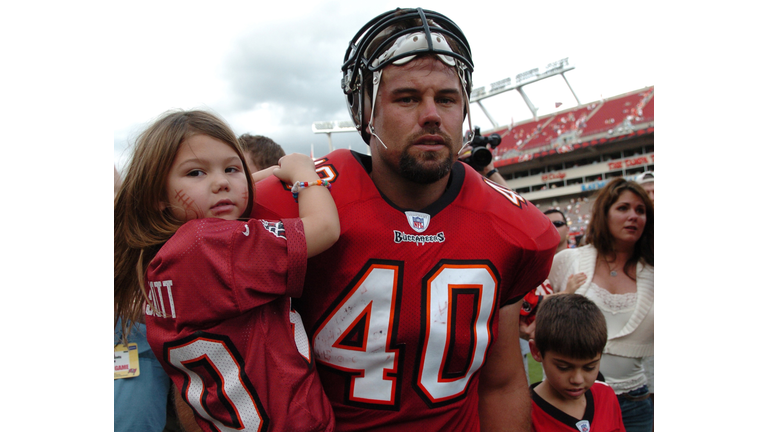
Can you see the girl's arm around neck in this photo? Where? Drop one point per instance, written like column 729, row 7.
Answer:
column 317, row 209
column 321, row 220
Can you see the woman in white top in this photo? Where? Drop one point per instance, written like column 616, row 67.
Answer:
column 617, row 267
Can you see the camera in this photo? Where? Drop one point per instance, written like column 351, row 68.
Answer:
column 481, row 156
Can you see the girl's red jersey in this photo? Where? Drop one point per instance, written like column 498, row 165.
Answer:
column 221, row 324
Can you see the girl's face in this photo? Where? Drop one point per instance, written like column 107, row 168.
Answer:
column 626, row 219
column 206, row 180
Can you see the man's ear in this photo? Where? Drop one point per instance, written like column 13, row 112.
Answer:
column 535, row 351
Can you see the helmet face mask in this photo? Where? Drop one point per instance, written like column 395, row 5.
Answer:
column 397, row 37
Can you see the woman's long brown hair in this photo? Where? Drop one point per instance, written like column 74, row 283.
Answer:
column 141, row 228
column 598, row 233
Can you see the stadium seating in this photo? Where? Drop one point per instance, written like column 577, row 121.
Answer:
column 612, row 117
column 566, row 123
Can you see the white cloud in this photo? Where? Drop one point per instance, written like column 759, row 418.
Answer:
column 273, row 70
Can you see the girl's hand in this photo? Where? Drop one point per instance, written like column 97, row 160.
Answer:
column 296, row 167
column 317, row 209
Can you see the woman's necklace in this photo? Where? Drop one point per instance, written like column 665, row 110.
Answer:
column 613, row 272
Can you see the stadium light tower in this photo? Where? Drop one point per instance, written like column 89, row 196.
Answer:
column 559, row 67
column 330, row 127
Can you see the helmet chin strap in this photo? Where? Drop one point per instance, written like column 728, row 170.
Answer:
column 377, row 82
column 471, row 136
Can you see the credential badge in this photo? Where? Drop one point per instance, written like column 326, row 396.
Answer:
column 418, row 221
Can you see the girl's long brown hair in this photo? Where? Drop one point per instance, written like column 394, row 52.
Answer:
column 598, row 233
column 141, row 228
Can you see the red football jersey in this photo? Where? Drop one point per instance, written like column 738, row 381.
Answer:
column 403, row 309
column 221, row 324
column 603, row 413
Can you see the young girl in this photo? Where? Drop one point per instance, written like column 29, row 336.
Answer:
column 213, row 286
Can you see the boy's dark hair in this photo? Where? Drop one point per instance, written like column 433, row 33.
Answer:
column 263, row 150
column 570, row 325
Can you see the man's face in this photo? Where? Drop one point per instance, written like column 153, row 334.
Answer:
column 648, row 188
column 557, row 219
column 418, row 115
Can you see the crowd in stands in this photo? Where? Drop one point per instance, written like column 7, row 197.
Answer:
column 612, row 116
column 577, row 212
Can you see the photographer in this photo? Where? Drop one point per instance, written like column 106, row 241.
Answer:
column 478, row 156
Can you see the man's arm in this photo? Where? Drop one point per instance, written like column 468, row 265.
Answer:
column 495, row 176
column 504, row 401
column 494, row 173
column 184, row 413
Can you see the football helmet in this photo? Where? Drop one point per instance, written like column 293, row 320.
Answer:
column 399, row 36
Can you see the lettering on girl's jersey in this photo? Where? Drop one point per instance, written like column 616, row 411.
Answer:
column 160, row 302
column 276, row 228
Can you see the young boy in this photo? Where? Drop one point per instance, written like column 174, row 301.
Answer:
column 569, row 340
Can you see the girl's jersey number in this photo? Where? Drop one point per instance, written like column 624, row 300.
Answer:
column 213, row 366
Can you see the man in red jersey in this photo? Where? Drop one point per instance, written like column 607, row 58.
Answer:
column 413, row 313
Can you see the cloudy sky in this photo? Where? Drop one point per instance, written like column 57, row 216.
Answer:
column 274, row 70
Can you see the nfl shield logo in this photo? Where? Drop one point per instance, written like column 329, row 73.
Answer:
column 583, row 426
column 418, row 221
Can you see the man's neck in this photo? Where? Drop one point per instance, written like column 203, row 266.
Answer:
column 407, row 194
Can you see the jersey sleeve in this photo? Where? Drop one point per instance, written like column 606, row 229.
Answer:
column 538, row 248
column 274, row 262
column 519, row 227
column 219, row 269
column 542, row 259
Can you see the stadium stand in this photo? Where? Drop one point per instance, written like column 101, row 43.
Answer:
column 614, row 116
column 562, row 159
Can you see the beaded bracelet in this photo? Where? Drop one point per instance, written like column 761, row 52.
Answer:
column 301, row 185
